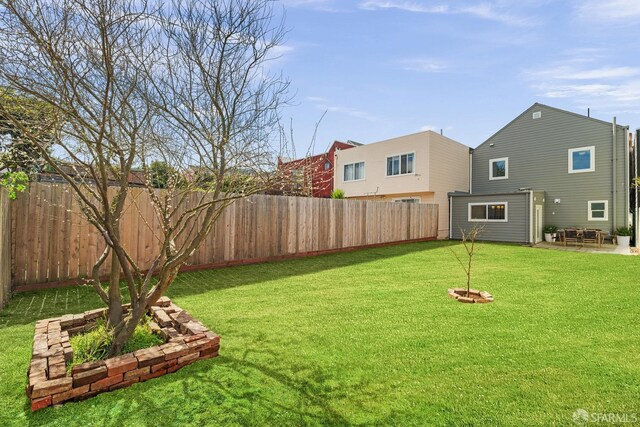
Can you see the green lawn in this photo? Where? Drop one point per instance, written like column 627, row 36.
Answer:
column 370, row 337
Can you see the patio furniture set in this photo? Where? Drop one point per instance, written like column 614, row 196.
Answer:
column 580, row 236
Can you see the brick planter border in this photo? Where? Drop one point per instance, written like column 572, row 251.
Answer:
column 186, row 340
column 475, row 296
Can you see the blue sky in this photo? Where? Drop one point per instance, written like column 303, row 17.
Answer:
column 386, row 68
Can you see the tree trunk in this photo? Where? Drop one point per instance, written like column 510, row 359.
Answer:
column 125, row 329
column 115, row 300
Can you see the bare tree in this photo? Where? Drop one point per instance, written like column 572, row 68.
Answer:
column 132, row 82
column 469, row 243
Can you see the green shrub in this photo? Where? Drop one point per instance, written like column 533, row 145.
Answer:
column 94, row 345
column 624, row 231
column 550, row 229
column 337, row 194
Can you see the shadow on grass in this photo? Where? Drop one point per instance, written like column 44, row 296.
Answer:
column 28, row 307
column 226, row 390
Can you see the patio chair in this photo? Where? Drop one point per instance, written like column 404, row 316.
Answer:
column 572, row 235
column 591, row 236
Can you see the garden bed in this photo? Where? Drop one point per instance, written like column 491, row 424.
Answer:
column 473, row 296
column 186, row 340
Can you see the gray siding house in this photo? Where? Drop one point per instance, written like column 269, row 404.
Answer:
column 546, row 167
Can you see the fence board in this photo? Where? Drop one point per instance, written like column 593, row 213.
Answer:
column 52, row 241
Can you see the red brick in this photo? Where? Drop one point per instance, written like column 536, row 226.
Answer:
column 189, row 358
column 155, row 328
column 68, row 395
column 106, row 382
column 45, row 388
column 86, row 366
column 194, row 337
column 76, row 330
column 57, row 370
column 54, row 325
column 168, row 333
column 181, row 316
column 163, row 318
column 153, row 375
column 68, row 353
column 164, row 365
column 174, row 368
column 201, row 344
column 121, row 364
column 192, row 327
column 174, row 350
column 124, row 384
column 88, row 377
column 149, row 356
column 94, row 314
column 137, row 373
column 66, row 321
column 209, row 352
column 54, row 350
column 38, row 404
column 163, row 302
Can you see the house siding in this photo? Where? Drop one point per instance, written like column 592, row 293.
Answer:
column 441, row 166
column 516, row 229
column 538, row 158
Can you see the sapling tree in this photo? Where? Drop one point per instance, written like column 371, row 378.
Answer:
column 469, row 243
column 132, row 82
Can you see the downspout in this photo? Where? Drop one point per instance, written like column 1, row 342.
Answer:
column 470, row 170
column 614, row 157
column 627, row 179
column 635, row 187
column 450, row 218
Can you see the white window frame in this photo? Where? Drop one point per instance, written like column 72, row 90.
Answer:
column 402, row 199
column 592, row 159
column 386, row 171
column 486, row 204
column 590, row 210
column 506, row 168
column 364, row 171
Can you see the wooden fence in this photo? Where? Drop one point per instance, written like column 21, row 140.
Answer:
column 53, row 242
column 5, row 247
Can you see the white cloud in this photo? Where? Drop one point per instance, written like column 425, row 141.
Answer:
column 324, row 104
column 423, row 65
column 485, row 10
column 609, row 10
column 572, row 73
column 319, row 5
column 587, row 77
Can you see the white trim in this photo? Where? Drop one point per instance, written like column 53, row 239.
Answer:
column 532, row 211
column 399, row 199
column 364, row 171
column 590, row 211
column 486, row 204
column 592, row 159
column 400, row 173
column 506, row 168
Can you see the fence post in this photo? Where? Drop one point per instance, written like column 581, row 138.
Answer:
column 5, row 247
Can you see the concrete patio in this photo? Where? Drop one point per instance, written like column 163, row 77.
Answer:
column 606, row 248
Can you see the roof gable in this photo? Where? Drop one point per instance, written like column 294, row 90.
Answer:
column 538, row 105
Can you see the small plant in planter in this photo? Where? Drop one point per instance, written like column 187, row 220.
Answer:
column 623, row 236
column 550, row 233
column 467, row 294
